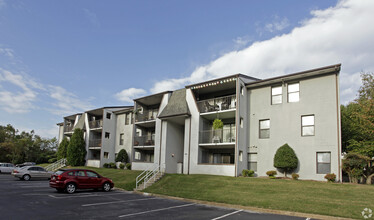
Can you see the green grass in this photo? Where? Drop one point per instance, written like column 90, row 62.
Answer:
column 344, row 200
column 43, row 164
column 124, row 179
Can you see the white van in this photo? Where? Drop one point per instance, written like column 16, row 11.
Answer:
column 6, row 167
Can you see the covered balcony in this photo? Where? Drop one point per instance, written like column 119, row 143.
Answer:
column 95, row 143
column 96, row 124
column 217, row 104
column 219, row 136
column 145, row 140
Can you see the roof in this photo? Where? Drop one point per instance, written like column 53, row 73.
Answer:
column 177, row 105
column 130, row 109
column 333, row 69
column 222, row 78
column 127, row 106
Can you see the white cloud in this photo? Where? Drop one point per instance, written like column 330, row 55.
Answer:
column 277, row 25
column 66, row 102
column 339, row 34
column 127, row 95
column 19, row 101
column 92, row 17
column 7, row 51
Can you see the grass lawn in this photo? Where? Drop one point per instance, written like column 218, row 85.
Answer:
column 124, row 179
column 345, row 200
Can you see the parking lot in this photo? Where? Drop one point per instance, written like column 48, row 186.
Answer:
column 36, row 200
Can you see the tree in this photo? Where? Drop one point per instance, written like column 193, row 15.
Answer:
column 354, row 164
column 76, row 151
column 285, row 159
column 122, row 156
column 62, row 149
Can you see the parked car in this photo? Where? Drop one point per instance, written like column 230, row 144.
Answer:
column 6, row 167
column 70, row 180
column 31, row 172
column 26, row 164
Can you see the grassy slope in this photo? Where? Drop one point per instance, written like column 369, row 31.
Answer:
column 345, row 200
column 124, row 179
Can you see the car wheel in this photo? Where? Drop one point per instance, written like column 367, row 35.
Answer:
column 106, row 187
column 26, row 177
column 70, row 188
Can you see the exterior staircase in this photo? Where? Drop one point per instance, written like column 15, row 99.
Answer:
column 149, row 176
column 56, row 165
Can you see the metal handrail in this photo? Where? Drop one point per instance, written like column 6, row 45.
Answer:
column 56, row 165
column 149, row 174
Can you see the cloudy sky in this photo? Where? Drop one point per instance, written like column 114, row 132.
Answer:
column 62, row 57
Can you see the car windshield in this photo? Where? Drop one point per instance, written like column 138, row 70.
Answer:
column 59, row 172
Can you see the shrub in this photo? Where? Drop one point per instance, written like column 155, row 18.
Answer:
column 285, row 159
column 295, row 176
column 122, row 166
column 112, row 165
column 354, row 165
column 248, row 173
column 52, row 160
column 128, row 166
column 217, row 124
column 76, row 151
column 106, row 165
column 331, row 177
column 271, row 173
column 122, row 156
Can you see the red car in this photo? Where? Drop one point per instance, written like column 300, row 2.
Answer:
column 70, row 180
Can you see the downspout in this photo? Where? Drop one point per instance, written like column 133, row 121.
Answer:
column 159, row 159
column 189, row 149
column 338, row 125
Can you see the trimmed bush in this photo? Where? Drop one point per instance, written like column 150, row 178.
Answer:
column 122, row 156
column 122, row 166
column 112, row 165
column 331, row 177
column 128, row 166
column 295, row 176
column 285, row 159
column 248, row 173
column 106, row 165
column 76, row 151
column 271, row 173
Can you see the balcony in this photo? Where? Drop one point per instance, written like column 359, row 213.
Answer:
column 146, row 140
column 219, row 136
column 146, row 115
column 95, row 124
column 217, row 104
column 95, row 143
column 68, row 128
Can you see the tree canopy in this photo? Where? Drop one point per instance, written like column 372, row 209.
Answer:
column 76, row 152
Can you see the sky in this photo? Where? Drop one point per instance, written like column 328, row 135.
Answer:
column 59, row 58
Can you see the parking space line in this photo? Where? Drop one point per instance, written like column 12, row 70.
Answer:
column 122, row 201
column 82, row 195
column 223, row 216
column 156, row 210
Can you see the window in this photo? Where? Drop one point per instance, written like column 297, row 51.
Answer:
column 107, row 134
column 252, row 161
column 91, row 174
column 276, row 95
column 240, row 155
column 323, row 162
column 241, row 90
column 127, row 119
column 264, row 128
column 121, row 139
column 241, row 122
column 137, row 155
column 307, row 125
column 108, row 115
column 80, row 173
column 293, row 92
column 71, row 173
column 106, row 155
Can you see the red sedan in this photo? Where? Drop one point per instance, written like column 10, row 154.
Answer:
column 70, row 180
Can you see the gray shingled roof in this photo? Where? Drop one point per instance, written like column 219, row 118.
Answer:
column 177, row 105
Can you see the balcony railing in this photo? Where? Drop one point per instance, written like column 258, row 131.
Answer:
column 146, row 115
column 146, row 140
column 68, row 128
column 217, row 104
column 96, row 124
column 95, row 143
column 225, row 135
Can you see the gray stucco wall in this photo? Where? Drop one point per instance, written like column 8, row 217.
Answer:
column 318, row 96
column 109, row 125
column 127, row 131
column 174, row 145
column 242, row 141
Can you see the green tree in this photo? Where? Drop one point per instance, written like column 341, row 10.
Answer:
column 285, row 159
column 354, row 164
column 76, row 151
column 62, row 149
column 122, row 156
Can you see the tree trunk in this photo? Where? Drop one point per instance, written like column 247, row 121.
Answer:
column 368, row 180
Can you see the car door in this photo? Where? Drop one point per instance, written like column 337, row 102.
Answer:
column 93, row 179
column 33, row 172
column 82, row 179
column 43, row 173
column 10, row 167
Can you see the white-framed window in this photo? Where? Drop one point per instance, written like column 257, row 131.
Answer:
column 137, row 155
column 323, row 162
column 252, row 161
column 242, row 90
column 106, row 155
column 108, row 115
column 240, row 155
column 241, row 122
column 264, row 131
column 276, row 95
column 127, row 118
column 121, row 139
column 293, row 92
column 307, row 125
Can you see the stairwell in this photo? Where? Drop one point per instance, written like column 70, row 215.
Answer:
column 149, row 177
column 56, row 165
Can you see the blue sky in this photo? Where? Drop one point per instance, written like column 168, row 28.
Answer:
column 62, row 57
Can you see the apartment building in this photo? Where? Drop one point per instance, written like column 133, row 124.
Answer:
column 259, row 116
column 173, row 130
column 104, row 132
